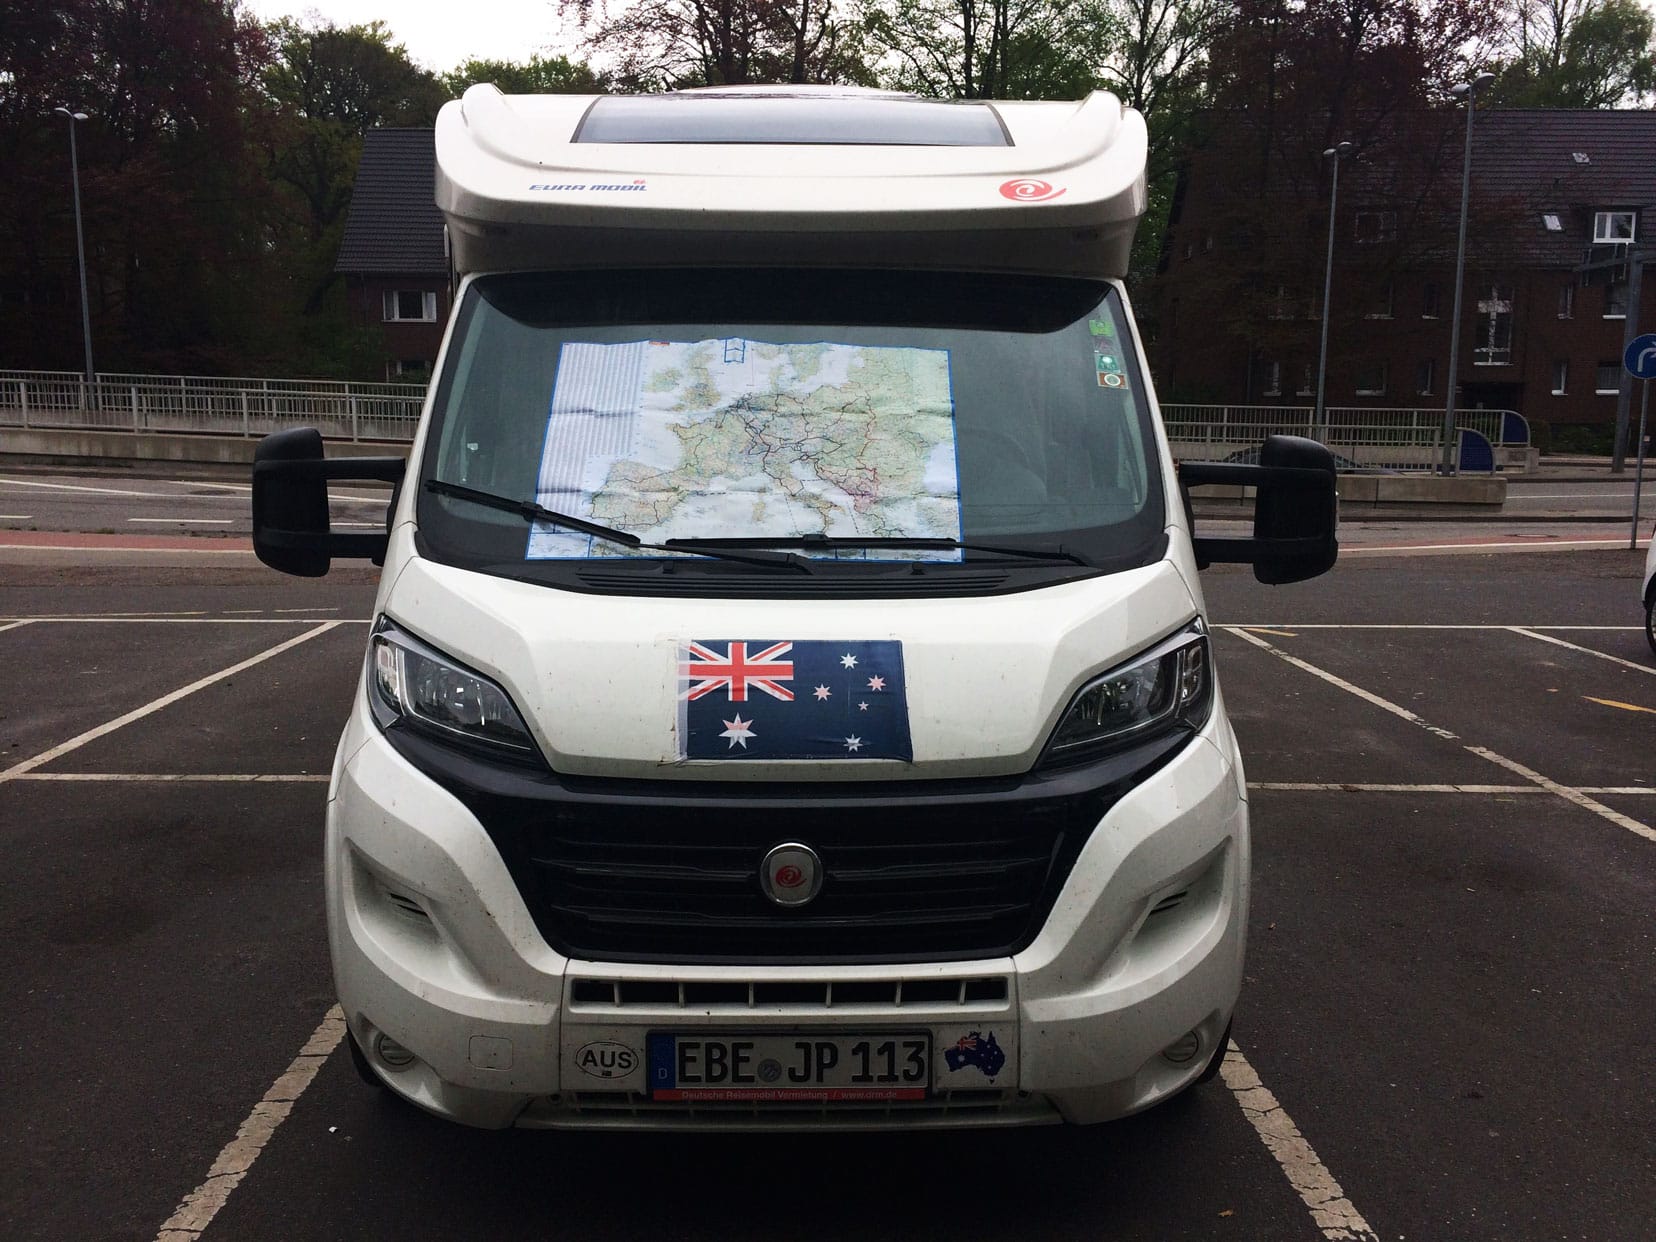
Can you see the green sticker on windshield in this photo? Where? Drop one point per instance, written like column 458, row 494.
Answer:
column 1100, row 327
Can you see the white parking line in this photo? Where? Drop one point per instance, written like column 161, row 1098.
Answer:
column 1548, row 638
column 1502, row 790
column 12, row 625
column 278, row 778
column 177, row 521
column 1384, row 625
column 15, row 517
column 1575, row 796
column 155, row 705
column 1331, row 1211
column 199, row 1207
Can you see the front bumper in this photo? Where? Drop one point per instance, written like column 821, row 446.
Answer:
column 434, row 948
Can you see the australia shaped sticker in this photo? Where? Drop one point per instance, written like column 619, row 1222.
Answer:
column 979, row 1050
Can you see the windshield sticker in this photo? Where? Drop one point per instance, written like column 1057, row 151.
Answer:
column 1100, row 327
column 1108, row 367
column 736, row 438
column 769, row 699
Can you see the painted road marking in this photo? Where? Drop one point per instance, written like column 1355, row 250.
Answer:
column 1540, row 544
column 185, row 521
column 176, row 777
column 1374, row 699
column 1605, row 495
column 1626, row 707
column 81, row 619
column 13, row 625
column 1331, row 1211
column 1384, row 625
column 75, row 487
column 148, row 551
column 138, row 713
column 1584, row 801
column 1260, row 629
column 15, row 517
column 1374, row 787
column 1547, row 638
column 199, row 1207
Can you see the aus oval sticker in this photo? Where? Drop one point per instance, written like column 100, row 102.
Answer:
column 607, row 1059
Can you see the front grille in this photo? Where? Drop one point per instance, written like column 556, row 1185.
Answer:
column 596, row 1110
column 744, row 994
column 662, row 871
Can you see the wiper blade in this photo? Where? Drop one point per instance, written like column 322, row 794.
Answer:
column 530, row 511
column 813, row 541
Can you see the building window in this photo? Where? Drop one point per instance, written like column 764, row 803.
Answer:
column 1494, row 330
column 1376, row 226
column 1566, row 300
column 1381, row 307
column 1429, row 300
column 1608, row 383
column 410, row 305
column 1612, row 227
column 1561, row 377
column 1425, row 373
column 1371, row 380
column 1307, row 381
column 1551, row 222
column 1615, row 300
column 1272, row 380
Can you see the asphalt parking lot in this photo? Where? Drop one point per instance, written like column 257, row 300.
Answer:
column 1445, row 1032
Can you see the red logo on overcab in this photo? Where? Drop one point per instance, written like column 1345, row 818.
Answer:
column 788, row 877
column 1029, row 190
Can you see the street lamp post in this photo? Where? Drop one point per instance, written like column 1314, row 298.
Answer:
column 1336, row 153
column 80, row 244
column 1470, row 90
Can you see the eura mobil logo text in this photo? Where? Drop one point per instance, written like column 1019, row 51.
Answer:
column 637, row 185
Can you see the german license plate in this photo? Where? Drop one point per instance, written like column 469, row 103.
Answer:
column 797, row 1068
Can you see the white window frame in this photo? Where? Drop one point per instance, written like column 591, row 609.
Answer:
column 1613, row 368
column 1561, row 377
column 1273, row 380
column 1431, row 300
column 1383, row 371
column 1384, row 230
column 1487, row 351
column 1606, row 231
column 1308, row 381
column 1551, row 222
column 391, row 306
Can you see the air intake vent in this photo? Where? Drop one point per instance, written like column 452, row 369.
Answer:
column 407, row 907
column 1171, row 901
column 771, row 993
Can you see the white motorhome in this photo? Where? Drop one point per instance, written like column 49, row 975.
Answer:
column 790, row 701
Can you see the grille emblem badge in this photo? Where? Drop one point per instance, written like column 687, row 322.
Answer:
column 791, row 874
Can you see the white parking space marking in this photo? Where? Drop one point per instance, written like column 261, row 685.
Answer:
column 77, row 487
column 1332, row 1212
column 138, row 713
column 1575, row 796
column 1374, row 699
column 140, row 777
column 13, row 625
column 1548, row 638
column 1502, row 790
column 79, row 619
column 15, row 517
column 1281, row 626
column 177, row 521
column 237, row 1157
column 1569, row 795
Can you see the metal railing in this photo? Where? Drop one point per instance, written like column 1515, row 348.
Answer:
column 1391, row 439
column 208, row 405
column 1360, row 437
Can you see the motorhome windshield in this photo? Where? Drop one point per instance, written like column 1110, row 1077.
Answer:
column 861, row 418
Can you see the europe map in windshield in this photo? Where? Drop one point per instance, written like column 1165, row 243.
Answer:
column 736, row 437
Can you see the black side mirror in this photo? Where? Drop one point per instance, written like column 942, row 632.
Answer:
column 1296, row 510
column 290, row 503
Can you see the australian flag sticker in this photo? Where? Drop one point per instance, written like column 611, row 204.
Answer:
column 773, row 699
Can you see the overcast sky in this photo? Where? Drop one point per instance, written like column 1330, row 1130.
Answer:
column 440, row 34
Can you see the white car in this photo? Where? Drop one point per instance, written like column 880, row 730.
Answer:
column 790, row 702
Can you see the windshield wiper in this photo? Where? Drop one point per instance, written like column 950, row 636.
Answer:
column 533, row 512
column 816, row 541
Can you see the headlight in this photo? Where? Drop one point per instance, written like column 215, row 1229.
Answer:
column 415, row 685
column 1168, row 687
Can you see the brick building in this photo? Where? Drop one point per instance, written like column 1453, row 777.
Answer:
column 396, row 273
column 1237, row 304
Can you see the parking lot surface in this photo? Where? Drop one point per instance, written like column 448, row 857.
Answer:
column 1444, row 1032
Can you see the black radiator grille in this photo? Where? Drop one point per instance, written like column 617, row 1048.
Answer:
column 659, row 871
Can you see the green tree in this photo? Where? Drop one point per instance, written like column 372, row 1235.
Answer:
column 1577, row 54
column 539, row 75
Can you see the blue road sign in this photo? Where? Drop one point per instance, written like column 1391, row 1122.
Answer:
column 1640, row 358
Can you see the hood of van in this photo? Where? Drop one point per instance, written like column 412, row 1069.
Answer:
column 716, row 689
